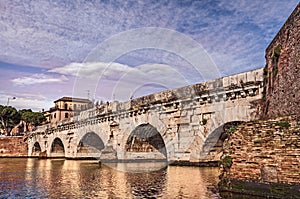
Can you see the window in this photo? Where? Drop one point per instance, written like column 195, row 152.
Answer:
column 75, row 107
column 66, row 106
column 66, row 115
column 54, row 115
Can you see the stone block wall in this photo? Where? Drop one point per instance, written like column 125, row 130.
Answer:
column 263, row 152
column 282, row 71
column 13, row 147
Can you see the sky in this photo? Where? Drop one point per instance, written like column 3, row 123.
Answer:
column 117, row 50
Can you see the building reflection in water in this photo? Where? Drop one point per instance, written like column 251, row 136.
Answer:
column 12, row 178
column 59, row 178
column 191, row 182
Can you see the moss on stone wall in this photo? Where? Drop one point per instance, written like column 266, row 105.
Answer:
column 226, row 162
column 256, row 189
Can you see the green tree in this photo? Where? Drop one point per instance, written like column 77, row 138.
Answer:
column 9, row 117
column 34, row 118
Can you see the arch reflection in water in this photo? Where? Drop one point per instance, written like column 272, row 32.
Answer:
column 90, row 146
column 36, row 149
column 59, row 178
column 191, row 182
column 57, row 148
column 145, row 143
column 147, row 184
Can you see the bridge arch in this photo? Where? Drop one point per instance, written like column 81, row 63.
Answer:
column 90, row 145
column 145, row 142
column 36, row 149
column 57, row 148
column 213, row 144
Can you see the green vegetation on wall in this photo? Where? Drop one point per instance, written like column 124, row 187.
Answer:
column 227, row 161
column 283, row 124
column 265, row 76
column 275, row 58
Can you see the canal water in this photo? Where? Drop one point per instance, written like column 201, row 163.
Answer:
column 59, row 178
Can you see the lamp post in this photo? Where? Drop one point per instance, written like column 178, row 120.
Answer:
column 9, row 99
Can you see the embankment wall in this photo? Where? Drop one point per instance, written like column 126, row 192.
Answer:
column 13, row 147
column 263, row 158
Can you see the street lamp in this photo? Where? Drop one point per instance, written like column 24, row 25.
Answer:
column 9, row 99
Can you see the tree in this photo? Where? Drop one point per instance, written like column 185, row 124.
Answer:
column 34, row 118
column 9, row 117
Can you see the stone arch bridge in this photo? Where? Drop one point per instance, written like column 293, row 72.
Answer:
column 183, row 124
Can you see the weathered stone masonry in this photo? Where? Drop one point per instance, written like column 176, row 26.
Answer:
column 13, row 147
column 263, row 152
column 282, row 72
column 176, row 123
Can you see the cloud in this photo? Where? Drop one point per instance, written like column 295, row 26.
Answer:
column 116, row 71
column 51, row 34
column 93, row 70
column 121, row 81
column 38, row 79
column 149, row 78
column 36, row 102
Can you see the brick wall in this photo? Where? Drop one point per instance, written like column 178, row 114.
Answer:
column 262, row 152
column 13, row 147
column 282, row 72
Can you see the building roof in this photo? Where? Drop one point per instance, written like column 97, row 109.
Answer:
column 73, row 99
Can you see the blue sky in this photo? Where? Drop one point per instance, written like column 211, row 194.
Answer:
column 45, row 45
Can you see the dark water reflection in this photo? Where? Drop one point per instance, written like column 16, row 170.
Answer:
column 32, row 178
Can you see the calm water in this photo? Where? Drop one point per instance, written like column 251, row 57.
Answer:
column 33, row 178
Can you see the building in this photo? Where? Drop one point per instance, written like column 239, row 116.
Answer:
column 67, row 107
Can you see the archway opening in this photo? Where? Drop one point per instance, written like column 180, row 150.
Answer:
column 145, row 142
column 36, row 149
column 57, row 148
column 212, row 148
column 90, row 146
